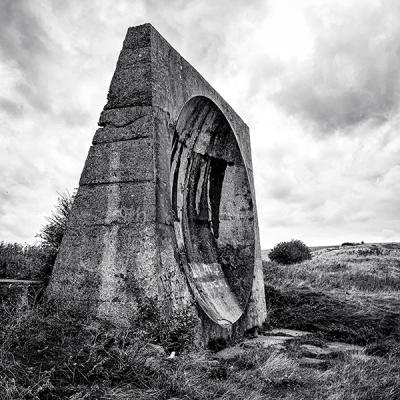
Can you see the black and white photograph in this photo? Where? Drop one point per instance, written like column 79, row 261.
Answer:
column 200, row 200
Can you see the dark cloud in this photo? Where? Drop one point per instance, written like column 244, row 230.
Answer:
column 354, row 72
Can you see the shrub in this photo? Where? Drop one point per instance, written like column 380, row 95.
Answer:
column 174, row 331
column 23, row 261
column 18, row 261
column 291, row 252
column 53, row 232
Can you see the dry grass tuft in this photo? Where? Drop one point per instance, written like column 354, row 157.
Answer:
column 362, row 378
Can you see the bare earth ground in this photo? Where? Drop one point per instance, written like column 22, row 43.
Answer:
column 344, row 294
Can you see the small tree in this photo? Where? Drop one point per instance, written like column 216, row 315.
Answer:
column 53, row 232
column 291, row 252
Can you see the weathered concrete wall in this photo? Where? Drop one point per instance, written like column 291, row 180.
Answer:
column 165, row 208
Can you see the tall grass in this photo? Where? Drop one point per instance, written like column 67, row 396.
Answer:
column 35, row 262
column 345, row 294
column 366, row 268
column 350, row 294
column 46, row 353
column 19, row 261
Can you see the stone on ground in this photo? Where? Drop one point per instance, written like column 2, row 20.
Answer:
column 229, row 353
column 309, row 350
column 266, row 341
column 156, row 350
column 340, row 347
column 312, row 362
column 287, row 332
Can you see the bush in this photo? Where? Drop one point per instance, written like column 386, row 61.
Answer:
column 53, row 232
column 291, row 252
column 23, row 261
column 19, row 261
column 174, row 331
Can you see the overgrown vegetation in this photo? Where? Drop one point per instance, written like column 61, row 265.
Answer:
column 175, row 330
column 53, row 232
column 25, row 261
column 35, row 262
column 350, row 294
column 291, row 252
column 47, row 353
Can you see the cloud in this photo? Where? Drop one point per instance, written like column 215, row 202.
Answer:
column 10, row 107
column 316, row 81
column 342, row 188
column 353, row 74
column 56, row 62
column 23, row 45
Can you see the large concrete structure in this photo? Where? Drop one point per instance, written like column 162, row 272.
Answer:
column 165, row 209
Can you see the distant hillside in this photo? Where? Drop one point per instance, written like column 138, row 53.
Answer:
column 388, row 245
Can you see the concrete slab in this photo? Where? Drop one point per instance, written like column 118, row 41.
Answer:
column 309, row 350
column 287, row 332
column 229, row 353
column 266, row 341
column 344, row 347
column 312, row 362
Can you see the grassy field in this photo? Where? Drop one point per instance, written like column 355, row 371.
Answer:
column 347, row 294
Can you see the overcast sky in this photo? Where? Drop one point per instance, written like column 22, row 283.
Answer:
column 316, row 81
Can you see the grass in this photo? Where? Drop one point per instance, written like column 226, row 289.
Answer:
column 350, row 294
column 30, row 262
column 343, row 294
column 362, row 268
